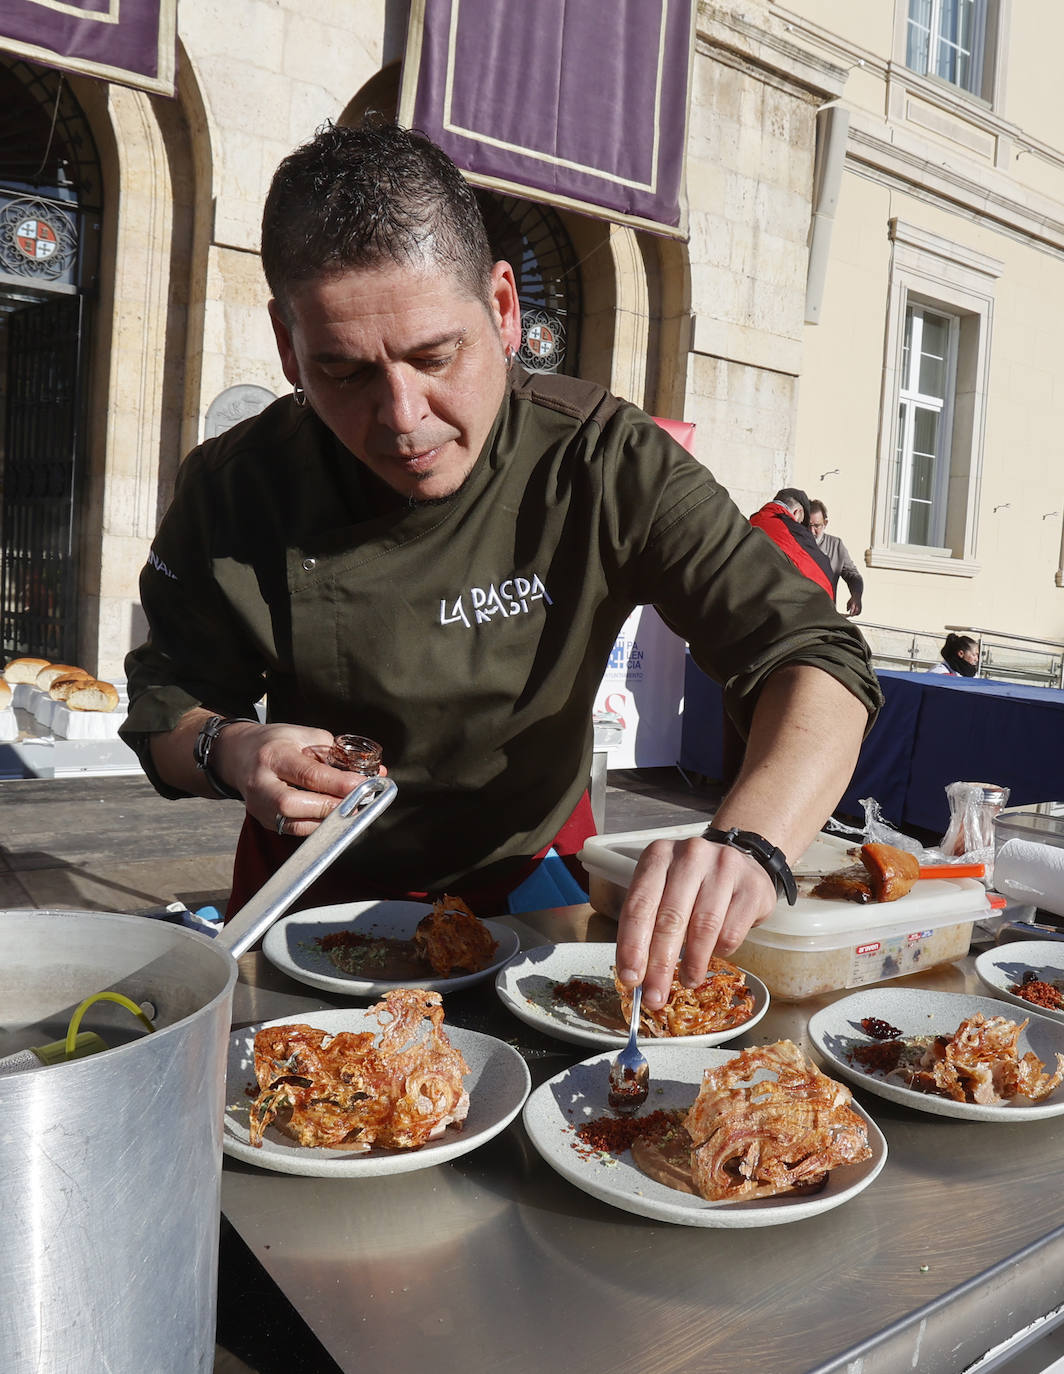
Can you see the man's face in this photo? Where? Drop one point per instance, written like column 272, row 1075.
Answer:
column 404, row 367
column 817, row 524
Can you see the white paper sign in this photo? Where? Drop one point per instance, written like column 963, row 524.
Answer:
column 643, row 685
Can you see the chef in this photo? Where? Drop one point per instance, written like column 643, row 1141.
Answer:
column 428, row 545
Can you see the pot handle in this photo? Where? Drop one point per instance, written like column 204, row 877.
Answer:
column 358, row 810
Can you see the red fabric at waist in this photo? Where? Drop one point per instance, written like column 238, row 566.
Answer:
column 261, row 852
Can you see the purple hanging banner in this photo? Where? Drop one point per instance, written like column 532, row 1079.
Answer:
column 133, row 42
column 579, row 103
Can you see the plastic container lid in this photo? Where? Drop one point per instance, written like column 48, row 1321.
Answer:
column 812, row 923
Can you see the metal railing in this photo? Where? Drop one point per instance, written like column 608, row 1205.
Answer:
column 1002, row 657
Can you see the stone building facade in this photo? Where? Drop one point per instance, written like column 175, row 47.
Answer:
column 856, row 202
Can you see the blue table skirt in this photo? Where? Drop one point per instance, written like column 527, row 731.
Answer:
column 933, row 730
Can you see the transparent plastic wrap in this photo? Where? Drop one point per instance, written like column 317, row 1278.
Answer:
column 970, row 836
column 878, row 830
column 969, row 839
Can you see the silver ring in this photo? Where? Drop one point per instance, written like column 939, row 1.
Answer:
column 280, row 822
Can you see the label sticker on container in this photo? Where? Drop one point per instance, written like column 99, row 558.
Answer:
column 875, row 960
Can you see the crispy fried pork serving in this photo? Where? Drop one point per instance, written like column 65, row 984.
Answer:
column 754, row 1140
column 887, row 874
column 980, row 1063
column 452, row 939
column 719, row 1003
column 354, row 1090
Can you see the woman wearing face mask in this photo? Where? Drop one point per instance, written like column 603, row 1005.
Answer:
column 960, row 657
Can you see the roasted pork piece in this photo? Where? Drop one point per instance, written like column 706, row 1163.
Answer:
column 754, row 1140
column 356, row 1089
column 884, row 875
column 452, row 940
column 723, row 1000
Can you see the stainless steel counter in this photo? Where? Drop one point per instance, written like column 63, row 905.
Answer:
column 500, row 1263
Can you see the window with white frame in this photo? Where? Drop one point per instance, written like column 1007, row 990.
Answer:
column 933, row 415
column 947, row 39
column 925, row 406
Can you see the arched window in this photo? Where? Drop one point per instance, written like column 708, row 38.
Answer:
column 533, row 239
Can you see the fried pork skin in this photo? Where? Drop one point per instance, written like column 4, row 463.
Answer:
column 357, row 1090
column 754, row 1140
column 719, row 1003
column 452, row 939
column 981, row 1063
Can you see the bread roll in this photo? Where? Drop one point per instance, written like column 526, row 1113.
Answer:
column 93, row 696
column 5, row 694
column 63, row 686
column 47, row 676
column 24, row 669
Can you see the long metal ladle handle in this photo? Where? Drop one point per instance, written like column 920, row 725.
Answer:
column 358, row 810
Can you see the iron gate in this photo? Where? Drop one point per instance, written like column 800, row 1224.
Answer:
column 42, row 468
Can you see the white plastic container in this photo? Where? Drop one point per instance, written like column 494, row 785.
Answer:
column 818, row 946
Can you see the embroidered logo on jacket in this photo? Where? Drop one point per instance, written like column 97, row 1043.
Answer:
column 154, row 561
column 478, row 605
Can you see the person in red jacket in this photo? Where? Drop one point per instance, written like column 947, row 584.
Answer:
column 785, row 519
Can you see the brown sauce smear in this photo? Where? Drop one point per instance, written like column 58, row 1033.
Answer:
column 375, row 956
column 598, row 1003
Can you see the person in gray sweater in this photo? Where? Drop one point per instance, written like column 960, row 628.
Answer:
column 838, row 555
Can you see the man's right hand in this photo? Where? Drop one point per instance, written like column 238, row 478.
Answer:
column 267, row 766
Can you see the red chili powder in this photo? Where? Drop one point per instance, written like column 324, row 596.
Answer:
column 615, row 1134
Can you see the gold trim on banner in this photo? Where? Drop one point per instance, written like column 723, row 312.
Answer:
column 80, row 12
column 165, row 52
column 582, row 207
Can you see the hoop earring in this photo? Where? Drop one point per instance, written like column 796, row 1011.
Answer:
column 510, row 355
column 299, row 396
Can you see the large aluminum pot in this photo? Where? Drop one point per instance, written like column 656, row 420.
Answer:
column 110, row 1166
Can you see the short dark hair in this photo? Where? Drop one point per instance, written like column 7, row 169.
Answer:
column 360, row 197
column 790, row 496
column 817, row 505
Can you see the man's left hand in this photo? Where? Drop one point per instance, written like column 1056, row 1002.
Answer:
column 853, row 606
column 701, row 898
column 693, row 896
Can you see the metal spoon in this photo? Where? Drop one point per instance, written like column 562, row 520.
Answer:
column 630, row 1072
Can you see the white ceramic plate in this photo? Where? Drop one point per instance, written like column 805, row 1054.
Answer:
column 1002, row 967
column 579, row 1094
column 837, row 1029
column 525, row 986
column 291, row 946
column 497, row 1084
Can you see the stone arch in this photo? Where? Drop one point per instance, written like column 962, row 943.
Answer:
column 137, row 390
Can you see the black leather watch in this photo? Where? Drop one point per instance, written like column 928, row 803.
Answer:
column 764, row 852
column 201, row 752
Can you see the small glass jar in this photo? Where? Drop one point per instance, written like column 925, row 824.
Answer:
column 350, row 753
